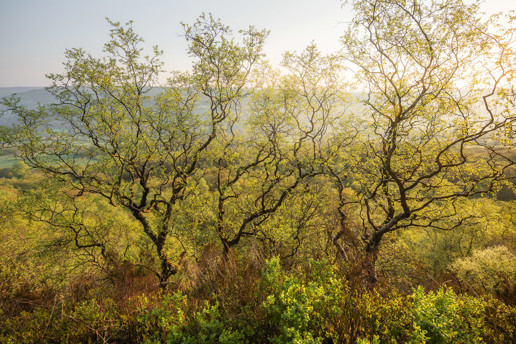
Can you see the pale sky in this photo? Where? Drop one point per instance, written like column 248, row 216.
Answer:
column 35, row 33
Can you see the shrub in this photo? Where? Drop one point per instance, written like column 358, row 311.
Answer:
column 388, row 318
column 499, row 321
column 444, row 317
column 300, row 312
column 491, row 270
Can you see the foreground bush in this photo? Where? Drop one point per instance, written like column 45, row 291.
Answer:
column 313, row 307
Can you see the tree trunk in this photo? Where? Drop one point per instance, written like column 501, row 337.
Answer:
column 226, row 247
column 167, row 269
column 368, row 265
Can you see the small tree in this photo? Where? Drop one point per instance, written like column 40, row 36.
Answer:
column 283, row 146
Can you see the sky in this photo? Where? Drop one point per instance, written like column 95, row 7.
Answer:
column 34, row 34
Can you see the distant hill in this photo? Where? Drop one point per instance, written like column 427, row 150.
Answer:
column 7, row 91
column 29, row 96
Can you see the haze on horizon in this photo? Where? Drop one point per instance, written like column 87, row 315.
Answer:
column 35, row 34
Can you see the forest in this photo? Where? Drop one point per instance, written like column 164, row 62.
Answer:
column 365, row 196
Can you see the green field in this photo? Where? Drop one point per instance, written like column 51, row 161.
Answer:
column 7, row 161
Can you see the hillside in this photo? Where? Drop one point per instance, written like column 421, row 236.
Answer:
column 29, row 96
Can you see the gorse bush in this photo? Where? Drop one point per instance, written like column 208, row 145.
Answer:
column 389, row 318
column 161, row 317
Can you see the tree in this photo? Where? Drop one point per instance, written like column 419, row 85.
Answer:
column 283, row 146
column 437, row 114
column 139, row 147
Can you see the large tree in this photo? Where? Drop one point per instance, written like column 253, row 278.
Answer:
column 436, row 115
column 114, row 134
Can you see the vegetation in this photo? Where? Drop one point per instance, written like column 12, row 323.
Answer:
column 243, row 203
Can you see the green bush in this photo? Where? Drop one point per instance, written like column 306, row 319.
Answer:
column 440, row 317
column 388, row 318
column 160, row 317
column 300, row 312
column 444, row 317
column 491, row 270
column 499, row 321
column 171, row 320
column 287, row 307
column 86, row 322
